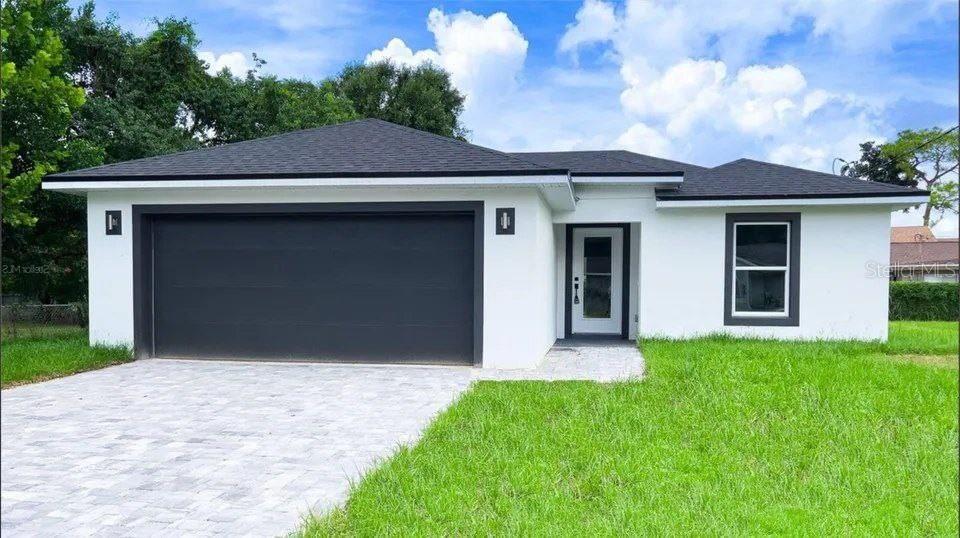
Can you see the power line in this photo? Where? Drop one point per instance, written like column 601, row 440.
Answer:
column 919, row 146
column 929, row 141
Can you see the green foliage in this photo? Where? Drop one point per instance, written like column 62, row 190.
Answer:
column 143, row 96
column 931, row 157
column 139, row 90
column 875, row 165
column 253, row 107
column 53, row 352
column 421, row 97
column 925, row 158
column 725, row 437
column 38, row 103
column 924, row 301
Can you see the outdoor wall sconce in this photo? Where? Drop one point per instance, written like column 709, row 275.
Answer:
column 113, row 223
column 505, row 220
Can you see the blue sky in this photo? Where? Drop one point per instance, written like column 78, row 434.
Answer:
column 706, row 81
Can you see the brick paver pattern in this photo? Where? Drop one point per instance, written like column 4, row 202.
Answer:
column 209, row 448
column 161, row 447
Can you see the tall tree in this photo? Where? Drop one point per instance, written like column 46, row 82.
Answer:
column 79, row 90
column 139, row 90
column 234, row 109
column 38, row 101
column 421, row 97
column 925, row 158
column 930, row 156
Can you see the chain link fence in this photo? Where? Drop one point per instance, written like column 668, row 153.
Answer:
column 24, row 320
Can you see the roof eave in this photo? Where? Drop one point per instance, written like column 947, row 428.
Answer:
column 664, row 180
column 556, row 188
column 895, row 200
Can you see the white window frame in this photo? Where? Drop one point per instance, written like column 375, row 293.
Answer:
column 784, row 268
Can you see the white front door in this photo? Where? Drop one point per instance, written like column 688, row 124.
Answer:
column 597, row 280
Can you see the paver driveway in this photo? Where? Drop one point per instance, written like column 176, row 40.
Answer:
column 191, row 447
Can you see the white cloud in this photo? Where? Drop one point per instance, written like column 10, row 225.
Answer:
column 397, row 51
column 484, row 55
column 643, row 139
column 731, row 30
column 235, row 61
column 689, row 84
column 596, row 21
column 677, row 79
column 759, row 100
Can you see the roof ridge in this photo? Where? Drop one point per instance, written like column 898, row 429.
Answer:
column 210, row 148
column 296, row 132
column 826, row 175
column 448, row 139
column 648, row 157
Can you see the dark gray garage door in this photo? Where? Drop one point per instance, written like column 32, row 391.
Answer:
column 343, row 287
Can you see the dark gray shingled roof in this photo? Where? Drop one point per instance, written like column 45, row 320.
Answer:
column 376, row 148
column 608, row 163
column 362, row 148
column 746, row 179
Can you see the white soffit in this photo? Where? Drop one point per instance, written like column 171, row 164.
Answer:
column 627, row 181
column 895, row 202
column 556, row 189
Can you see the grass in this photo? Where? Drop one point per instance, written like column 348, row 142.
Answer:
column 30, row 354
column 923, row 338
column 724, row 437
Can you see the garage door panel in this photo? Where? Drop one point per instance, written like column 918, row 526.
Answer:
column 359, row 287
column 308, row 341
column 300, row 231
column 278, row 268
column 291, row 305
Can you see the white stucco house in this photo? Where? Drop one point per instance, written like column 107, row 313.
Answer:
column 371, row 242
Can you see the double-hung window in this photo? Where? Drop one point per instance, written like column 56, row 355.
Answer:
column 762, row 269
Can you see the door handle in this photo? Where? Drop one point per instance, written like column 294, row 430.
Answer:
column 576, row 290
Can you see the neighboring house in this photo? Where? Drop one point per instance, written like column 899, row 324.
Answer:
column 916, row 254
column 371, row 242
column 911, row 234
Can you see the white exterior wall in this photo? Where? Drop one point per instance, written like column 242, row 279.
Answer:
column 681, row 265
column 518, row 270
column 840, row 296
column 676, row 275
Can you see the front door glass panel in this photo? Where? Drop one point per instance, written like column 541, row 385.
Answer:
column 598, row 265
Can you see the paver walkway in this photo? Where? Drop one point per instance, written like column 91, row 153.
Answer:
column 580, row 359
column 160, row 447
column 163, row 447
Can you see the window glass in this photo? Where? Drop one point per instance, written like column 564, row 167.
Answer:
column 598, row 266
column 761, row 245
column 760, row 291
column 596, row 254
column 596, row 296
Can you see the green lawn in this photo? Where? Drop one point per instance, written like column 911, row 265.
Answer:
column 725, row 436
column 30, row 354
column 923, row 337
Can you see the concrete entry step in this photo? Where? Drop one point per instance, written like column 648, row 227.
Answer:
column 579, row 359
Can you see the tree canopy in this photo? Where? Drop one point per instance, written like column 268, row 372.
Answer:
column 924, row 158
column 38, row 102
column 79, row 90
column 422, row 97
